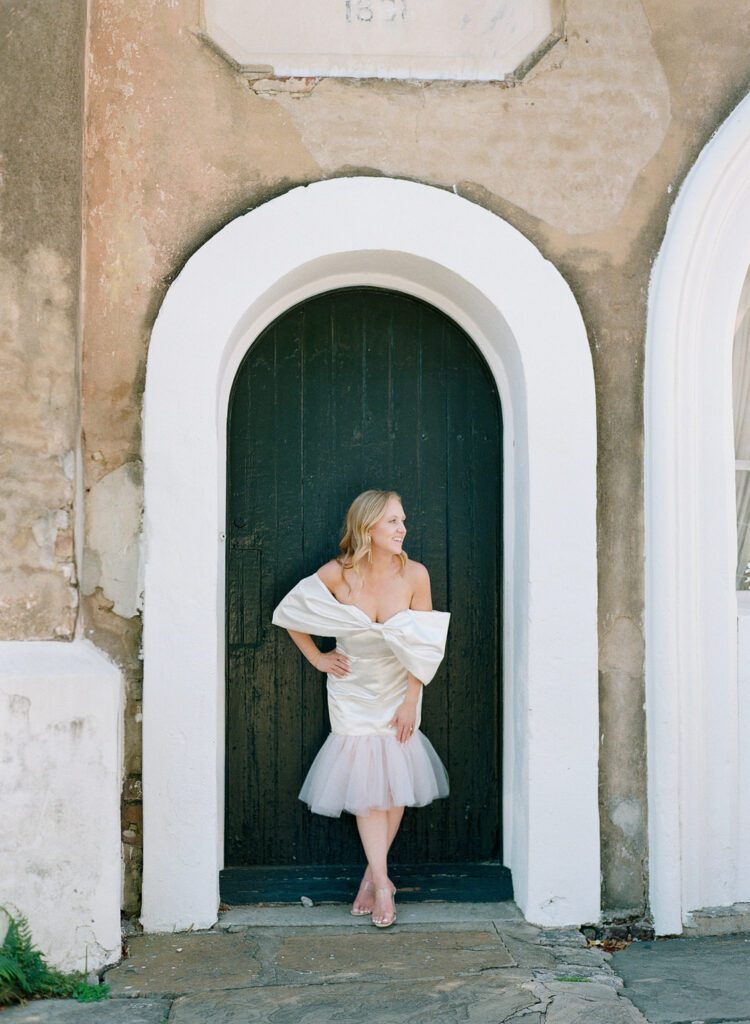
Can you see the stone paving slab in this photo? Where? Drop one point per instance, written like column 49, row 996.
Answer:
column 687, row 980
column 69, row 1011
column 394, row 955
column 185, row 962
column 335, row 913
column 588, row 1003
column 477, row 1000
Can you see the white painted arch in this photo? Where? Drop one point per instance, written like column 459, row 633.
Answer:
column 517, row 308
column 698, row 767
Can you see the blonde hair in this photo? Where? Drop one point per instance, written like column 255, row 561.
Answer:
column 355, row 544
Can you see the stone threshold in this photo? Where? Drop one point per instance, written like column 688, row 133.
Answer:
column 326, row 914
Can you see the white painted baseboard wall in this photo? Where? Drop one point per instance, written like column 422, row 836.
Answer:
column 60, row 781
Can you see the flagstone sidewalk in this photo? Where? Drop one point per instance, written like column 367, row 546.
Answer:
column 689, row 980
column 441, row 963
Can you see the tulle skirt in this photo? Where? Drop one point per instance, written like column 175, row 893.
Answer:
column 362, row 773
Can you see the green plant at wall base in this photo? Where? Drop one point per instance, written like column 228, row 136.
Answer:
column 25, row 975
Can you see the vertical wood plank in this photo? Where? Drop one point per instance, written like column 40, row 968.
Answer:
column 434, row 441
column 281, row 777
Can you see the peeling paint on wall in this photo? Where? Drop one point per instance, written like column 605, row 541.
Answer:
column 112, row 559
column 40, row 237
column 38, row 406
column 628, row 816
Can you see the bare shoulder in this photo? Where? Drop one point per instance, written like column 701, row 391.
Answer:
column 416, row 572
column 419, row 578
column 330, row 573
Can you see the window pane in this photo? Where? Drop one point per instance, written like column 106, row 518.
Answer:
column 742, row 480
column 741, row 376
column 741, row 403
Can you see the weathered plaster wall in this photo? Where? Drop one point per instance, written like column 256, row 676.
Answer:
column 41, row 69
column 583, row 156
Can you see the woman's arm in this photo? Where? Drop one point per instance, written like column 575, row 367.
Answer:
column 332, row 662
column 405, row 718
column 306, row 644
column 421, row 602
column 413, row 688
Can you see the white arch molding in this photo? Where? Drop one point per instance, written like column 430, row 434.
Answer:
column 520, row 312
column 697, row 705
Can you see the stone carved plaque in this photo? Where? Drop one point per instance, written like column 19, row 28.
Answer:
column 472, row 40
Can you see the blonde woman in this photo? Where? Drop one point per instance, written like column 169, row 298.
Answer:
column 377, row 603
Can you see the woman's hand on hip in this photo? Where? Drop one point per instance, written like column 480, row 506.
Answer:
column 333, row 663
column 405, row 720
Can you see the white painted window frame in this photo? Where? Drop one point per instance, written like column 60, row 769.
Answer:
column 520, row 312
column 696, row 701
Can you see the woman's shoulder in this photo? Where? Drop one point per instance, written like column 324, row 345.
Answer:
column 419, row 581
column 330, row 573
column 417, row 572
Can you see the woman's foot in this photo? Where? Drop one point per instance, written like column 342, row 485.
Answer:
column 364, row 900
column 384, row 911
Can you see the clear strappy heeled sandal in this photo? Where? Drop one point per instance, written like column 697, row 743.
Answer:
column 389, row 919
column 369, row 887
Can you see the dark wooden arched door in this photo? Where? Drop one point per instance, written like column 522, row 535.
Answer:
column 353, row 389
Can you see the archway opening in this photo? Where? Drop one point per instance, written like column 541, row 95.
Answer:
column 354, row 388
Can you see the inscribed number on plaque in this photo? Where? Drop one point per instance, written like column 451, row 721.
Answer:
column 375, row 10
column 480, row 40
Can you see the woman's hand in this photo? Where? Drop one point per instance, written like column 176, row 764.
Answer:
column 334, row 663
column 405, row 720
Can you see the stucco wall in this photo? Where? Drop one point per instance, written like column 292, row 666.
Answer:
column 41, row 71
column 584, row 156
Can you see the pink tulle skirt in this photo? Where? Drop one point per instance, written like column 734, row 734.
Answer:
column 362, row 773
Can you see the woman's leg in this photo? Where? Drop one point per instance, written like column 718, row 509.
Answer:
column 373, row 831
column 366, row 896
column 395, row 814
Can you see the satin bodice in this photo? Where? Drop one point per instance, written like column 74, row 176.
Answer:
column 380, row 653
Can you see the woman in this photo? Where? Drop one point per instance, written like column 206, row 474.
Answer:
column 377, row 603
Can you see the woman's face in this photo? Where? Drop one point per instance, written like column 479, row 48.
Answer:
column 389, row 531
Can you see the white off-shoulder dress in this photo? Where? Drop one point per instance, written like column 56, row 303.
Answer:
column 362, row 766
